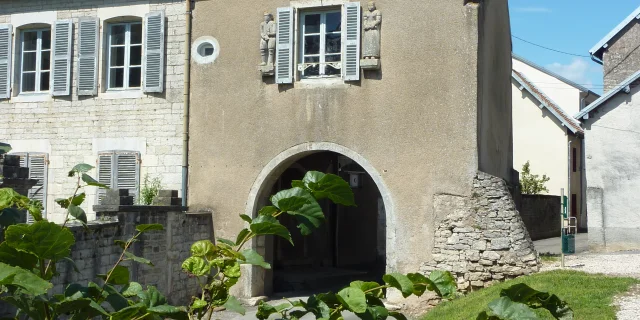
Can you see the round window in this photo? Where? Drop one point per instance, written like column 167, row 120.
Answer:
column 205, row 50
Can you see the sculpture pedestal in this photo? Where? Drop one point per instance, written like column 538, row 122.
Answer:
column 267, row 71
column 370, row 64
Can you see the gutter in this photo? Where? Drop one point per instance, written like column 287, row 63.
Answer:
column 596, row 60
column 185, row 95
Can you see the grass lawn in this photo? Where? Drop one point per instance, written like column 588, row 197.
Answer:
column 589, row 295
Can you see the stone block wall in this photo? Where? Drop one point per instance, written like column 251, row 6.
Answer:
column 541, row 215
column 622, row 59
column 95, row 251
column 71, row 129
column 481, row 239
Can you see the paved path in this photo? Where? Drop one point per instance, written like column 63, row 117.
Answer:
column 554, row 245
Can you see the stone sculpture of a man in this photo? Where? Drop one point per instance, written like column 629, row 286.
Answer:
column 267, row 39
column 372, row 21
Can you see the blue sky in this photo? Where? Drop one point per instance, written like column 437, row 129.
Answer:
column 573, row 26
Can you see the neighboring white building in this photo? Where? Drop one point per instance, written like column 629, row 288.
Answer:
column 95, row 82
column 545, row 133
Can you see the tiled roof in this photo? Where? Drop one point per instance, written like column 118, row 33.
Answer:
column 547, row 102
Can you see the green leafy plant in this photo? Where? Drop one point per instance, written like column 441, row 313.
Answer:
column 30, row 252
column 532, row 183
column 217, row 266
column 4, row 148
column 150, row 189
column 519, row 301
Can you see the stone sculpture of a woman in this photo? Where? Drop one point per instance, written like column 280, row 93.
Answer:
column 372, row 21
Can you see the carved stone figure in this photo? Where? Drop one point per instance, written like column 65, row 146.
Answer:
column 267, row 39
column 372, row 21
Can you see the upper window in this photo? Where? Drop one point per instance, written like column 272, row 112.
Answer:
column 35, row 46
column 124, row 55
column 321, row 49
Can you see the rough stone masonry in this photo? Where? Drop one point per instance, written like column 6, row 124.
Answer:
column 483, row 238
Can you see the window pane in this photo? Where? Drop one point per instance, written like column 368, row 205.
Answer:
column 312, row 45
column 46, row 39
column 312, row 23
column 28, row 82
column 117, row 34
column 332, row 68
column 44, row 81
column 30, row 40
column 334, row 22
column 135, row 55
column 29, row 61
column 45, row 60
column 136, row 33
column 135, row 76
column 313, row 69
column 116, row 78
column 332, row 41
column 117, row 57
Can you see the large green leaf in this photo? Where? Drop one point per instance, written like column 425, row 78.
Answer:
column 196, row 266
column 400, row 282
column 81, row 168
column 373, row 288
column 170, row 312
column 506, row 309
column 17, row 258
column 286, row 202
column 353, row 299
column 254, row 258
column 45, row 240
column 152, row 297
column 241, row 236
column 318, row 307
column 263, row 225
column 131, row 290
column 234, row 305
column 529, row 296
column 149, row 227
column 10, row 216
column 268, row 211
column 232, row 269
column 203, row 248
column 129, row 312
column 130, row 256
column 198, row 304
column 374, row 313
column 329, row 186
column 310, row 216
column 77, row 213
column 27, row 281
column 397, row 315
column 246, row 218
column 77, row 200
column 90, row 181
column 33, row 307
column 119, row 276
column 445, row 283
column 265, row 310
column 226, row 241
column 5, row 148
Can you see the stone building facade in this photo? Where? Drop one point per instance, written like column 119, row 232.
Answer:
column 60, row 125
column 617, row 51
column 428, row 119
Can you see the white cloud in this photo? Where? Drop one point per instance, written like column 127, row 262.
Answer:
column 578, row 71
column 532, row 9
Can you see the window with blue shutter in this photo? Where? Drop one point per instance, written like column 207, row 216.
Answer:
column 153, row 64
column 61, row 69
column 87, row 75
column 284, row 45
column 38, row 170
column 119, row 170
column 351, row 37
column 6, row 31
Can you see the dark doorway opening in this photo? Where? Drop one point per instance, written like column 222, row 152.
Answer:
column 349, row 246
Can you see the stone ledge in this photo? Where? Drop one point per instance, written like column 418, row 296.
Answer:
column 101, row 209
column 370, row 64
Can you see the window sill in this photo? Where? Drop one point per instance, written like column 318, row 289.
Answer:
column 322, row 82
column 32, row 97
column 122, row 94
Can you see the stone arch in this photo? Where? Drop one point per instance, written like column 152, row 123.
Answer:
column 254, row 285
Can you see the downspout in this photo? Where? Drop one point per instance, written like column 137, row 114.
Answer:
column 185, row 97
column 570, row 171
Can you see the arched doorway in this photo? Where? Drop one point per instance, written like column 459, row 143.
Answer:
column 351, row 245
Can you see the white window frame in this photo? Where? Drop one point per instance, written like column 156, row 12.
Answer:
column 127, row 59
column 322, row 53
column 38, row 52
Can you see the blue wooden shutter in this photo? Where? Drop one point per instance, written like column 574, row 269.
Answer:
column 105, row 170
column 87, row 76
column 351, row 37
column 284, row 45
column 6, row 31
column 38, row 170
column 61, row 71
column 128, row 172
column 153, row 64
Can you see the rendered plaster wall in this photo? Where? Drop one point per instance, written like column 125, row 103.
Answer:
column 73, row 130
column 414, row 122
column 622, row 59
column 612, row 140
column 495, row 140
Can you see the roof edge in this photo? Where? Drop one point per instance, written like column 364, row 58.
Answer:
column 598, row 49
column 584, row 113
column 551, row 73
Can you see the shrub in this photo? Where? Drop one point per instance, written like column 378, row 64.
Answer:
column 532, row 183
column 150, row 189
